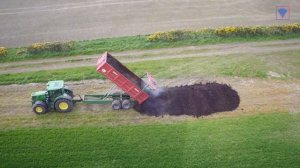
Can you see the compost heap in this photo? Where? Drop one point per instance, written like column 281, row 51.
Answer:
column 198, row 99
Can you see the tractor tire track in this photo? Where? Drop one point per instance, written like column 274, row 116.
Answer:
column 256, row 95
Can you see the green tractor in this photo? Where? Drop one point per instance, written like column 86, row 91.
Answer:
column 57, row 97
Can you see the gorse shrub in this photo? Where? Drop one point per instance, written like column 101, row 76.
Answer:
column 228, row 31
column 36, row 48
column 3, row 51
column 240, row 31
column 175, row 35
column 50, row 47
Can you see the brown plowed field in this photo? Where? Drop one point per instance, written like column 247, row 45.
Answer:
column 55, row 20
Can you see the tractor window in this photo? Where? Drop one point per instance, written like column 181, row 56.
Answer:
column 69, row 92
column 53, row 94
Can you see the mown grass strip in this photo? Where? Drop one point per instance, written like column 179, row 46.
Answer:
column 263, row 140
column 285, row 63
column 243, row 66
column 142, row 42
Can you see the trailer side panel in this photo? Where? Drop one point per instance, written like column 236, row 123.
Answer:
column 122, row 77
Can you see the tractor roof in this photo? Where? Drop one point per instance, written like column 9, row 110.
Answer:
column 54, row 85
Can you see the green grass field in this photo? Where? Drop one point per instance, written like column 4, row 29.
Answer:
column 261, row 140
column 246, row 65
column 98, row 137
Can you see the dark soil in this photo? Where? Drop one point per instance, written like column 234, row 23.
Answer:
column 196, row 100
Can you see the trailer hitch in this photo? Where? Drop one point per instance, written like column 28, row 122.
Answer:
column 77, row 98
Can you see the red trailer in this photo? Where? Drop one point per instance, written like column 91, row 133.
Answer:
column 122, row 77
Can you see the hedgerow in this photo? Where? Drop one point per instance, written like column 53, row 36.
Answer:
column 228, row 31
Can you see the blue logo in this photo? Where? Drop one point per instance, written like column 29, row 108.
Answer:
column 283, row 12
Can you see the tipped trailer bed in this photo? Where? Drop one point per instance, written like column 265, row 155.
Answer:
column 122, row 77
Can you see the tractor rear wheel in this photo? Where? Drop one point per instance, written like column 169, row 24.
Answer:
column 39, row 107
column 116, row 105
column 64, row 105
column 126, row 104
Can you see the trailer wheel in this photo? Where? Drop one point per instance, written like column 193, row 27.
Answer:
column 63, row 105
column 126, row 104
column 40, row 107
column 116, row 105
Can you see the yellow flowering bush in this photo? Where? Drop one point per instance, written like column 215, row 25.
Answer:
column 36, row 48
column 3, row 51
column 175, row 35
column 287, row 28
column 155, row 36
column 166, row 36
column 228, row 31
column 50, row 47
column 292, row 27
column 239, row 31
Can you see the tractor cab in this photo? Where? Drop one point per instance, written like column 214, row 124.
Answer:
column 57, row 97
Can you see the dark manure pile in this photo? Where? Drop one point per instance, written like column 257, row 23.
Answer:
column 196, row 100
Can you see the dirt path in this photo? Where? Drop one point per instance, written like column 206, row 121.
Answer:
column 157, row 54
column 256, row 95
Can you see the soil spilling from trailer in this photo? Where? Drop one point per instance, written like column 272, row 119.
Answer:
column 196, row 100
column 199, row 99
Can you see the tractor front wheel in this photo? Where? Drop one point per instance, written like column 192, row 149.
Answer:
column 40, row 107
column 63, row 105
